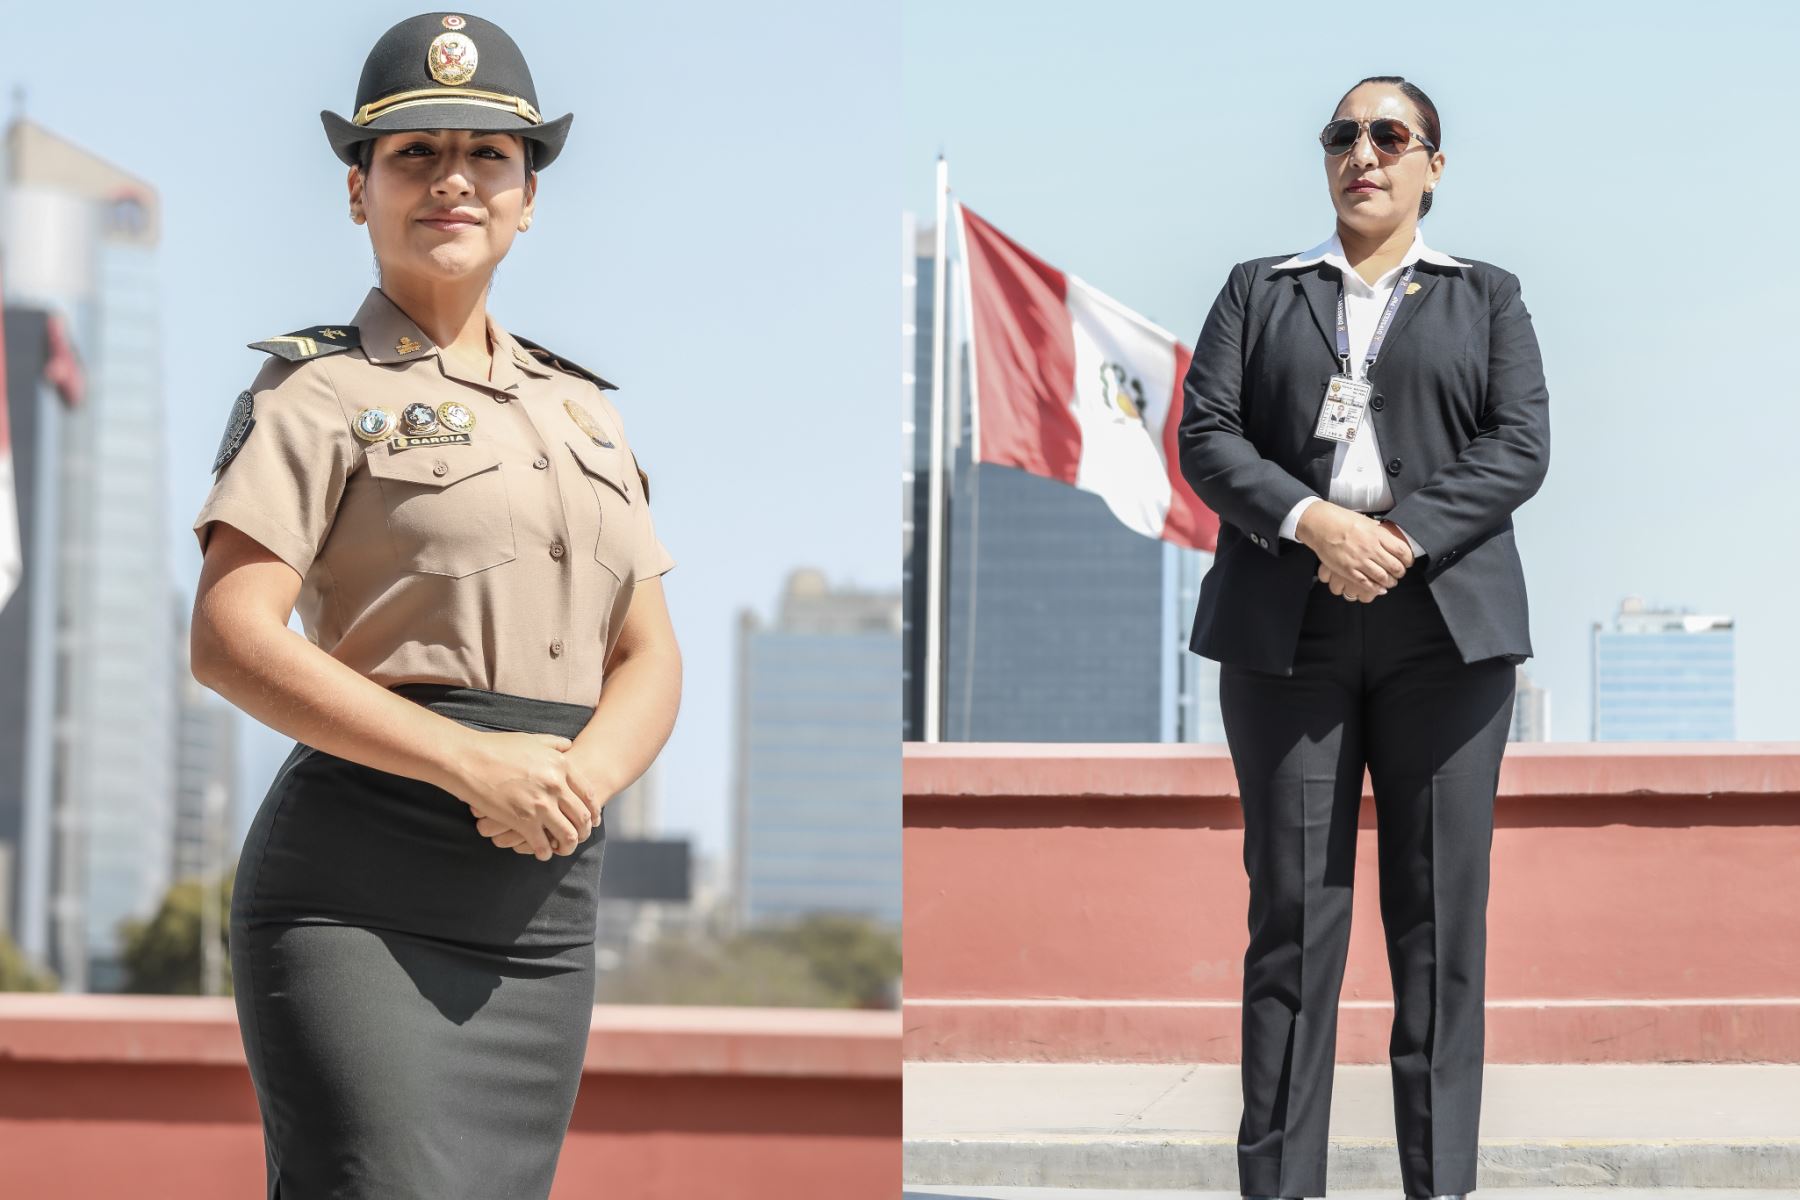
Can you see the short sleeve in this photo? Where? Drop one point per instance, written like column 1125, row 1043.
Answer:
column 282, row 481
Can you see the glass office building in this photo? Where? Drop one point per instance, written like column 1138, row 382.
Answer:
column 1664, row 676
column 817, row 812
column 80, row 238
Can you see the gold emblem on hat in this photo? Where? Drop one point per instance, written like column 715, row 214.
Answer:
column 373, row 424
column 1413, row 287
column 456, row 416
column 452, row 21
column 589, row 426
column 406, row 345
column 451, row 59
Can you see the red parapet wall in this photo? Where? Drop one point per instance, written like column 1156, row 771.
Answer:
column 109, row 1096
column 1088, row 903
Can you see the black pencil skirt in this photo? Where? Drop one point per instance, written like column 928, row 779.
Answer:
column 414, row 1000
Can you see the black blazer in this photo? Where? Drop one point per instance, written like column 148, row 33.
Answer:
column 1462, row 415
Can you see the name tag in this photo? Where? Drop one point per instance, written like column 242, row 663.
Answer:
column 1341, row 412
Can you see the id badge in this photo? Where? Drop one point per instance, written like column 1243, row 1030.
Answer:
column 1341, row 412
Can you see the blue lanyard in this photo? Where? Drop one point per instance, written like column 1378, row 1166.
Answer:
column 1387, row 318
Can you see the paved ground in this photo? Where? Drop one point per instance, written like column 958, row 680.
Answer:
column 1119, row 1126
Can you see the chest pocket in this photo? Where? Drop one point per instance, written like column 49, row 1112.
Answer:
column 446, row 507
column 611, row 477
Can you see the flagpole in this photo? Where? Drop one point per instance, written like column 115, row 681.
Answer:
column 934, row 576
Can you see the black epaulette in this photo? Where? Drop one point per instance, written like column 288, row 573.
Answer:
column 311, row 343
column 643, row 478
column 556, row 360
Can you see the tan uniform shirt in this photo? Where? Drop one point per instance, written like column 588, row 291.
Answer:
column 504, row 563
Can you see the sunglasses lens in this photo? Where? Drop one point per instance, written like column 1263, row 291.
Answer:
column 1390, row 136
column 1338, row 137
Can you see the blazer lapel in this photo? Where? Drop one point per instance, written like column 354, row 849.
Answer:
column 1321, row 287
column 1426, row 279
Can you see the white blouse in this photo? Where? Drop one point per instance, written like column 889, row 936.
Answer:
column 1357, row 478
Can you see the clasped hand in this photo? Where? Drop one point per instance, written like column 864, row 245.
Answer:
column 528, row 791
column 1359, row 559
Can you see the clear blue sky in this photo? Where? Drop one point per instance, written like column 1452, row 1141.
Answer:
column 1634, row 164
column 719, row 238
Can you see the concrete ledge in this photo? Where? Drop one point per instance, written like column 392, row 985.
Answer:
column 1723, row 1030
column 624, row 1039
column 99, row 1094
column 1076, row 903
column 1039, row 771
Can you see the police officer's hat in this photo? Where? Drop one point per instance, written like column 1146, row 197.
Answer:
column 446, row 71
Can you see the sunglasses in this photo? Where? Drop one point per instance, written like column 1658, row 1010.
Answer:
column 1389, row 135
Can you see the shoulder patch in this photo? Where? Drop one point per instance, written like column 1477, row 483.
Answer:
column 311, row 343
column 562, row 364
column 237, row 428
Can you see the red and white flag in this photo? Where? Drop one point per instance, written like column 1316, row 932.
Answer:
column 12, row 563
column 1070, row 384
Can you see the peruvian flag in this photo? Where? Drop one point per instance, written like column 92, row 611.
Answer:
column 1070, row 384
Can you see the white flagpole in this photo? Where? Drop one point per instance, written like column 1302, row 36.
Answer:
column 934, row 575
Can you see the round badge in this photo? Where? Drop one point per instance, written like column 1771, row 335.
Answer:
column 452, row 21
column 585, row 419
column 418, row 418
column 237, row 428
column 455, row 416
column 373, row 424
column 451, row 59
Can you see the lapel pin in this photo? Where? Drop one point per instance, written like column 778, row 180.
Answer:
column 406, row 345
column 1413, row 287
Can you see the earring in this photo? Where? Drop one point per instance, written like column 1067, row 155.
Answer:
column 524, row 224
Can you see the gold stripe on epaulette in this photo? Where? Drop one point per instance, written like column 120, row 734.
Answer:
column 305, row 345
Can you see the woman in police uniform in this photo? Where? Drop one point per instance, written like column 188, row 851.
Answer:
column 1364, row 417
column 463, row 527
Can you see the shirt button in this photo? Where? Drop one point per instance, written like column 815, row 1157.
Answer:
column 556, row 549
column 1393, row 466
column 501, row 399
column 556, row 648
column 1377, row 402
column 440, row 467
column 540, row 462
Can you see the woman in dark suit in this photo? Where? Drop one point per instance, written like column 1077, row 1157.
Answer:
column 1365, row 417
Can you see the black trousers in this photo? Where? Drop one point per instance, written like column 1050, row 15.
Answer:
column 1379, row 684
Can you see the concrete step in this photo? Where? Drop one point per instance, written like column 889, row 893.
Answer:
column 960, row 1192
column 1173, row 1126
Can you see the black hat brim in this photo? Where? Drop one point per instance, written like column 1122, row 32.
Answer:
column 448, row 114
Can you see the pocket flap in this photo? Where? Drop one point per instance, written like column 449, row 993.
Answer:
column 613, row 467
column 431, row 466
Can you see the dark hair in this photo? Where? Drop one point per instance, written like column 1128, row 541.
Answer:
column 1428, row 116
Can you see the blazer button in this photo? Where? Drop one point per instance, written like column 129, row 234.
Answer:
column 1377, row 403
column 1393, row 466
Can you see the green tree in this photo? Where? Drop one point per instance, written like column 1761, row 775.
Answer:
column 818, row 962
column 162, row 955
column 16, row 972
column 852, row 956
